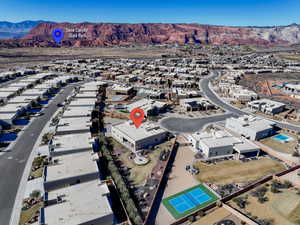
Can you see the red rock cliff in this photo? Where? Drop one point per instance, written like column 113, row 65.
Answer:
column 108, row 34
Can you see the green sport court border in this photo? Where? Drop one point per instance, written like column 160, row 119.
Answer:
column 178, row 215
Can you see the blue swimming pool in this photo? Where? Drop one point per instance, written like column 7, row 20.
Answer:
column 20, row 122
column 44, row 102
column 34, row 110
column 8, row 137
column 282, row 137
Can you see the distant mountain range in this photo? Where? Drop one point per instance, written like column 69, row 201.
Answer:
column 109, row 34
column 15, row 30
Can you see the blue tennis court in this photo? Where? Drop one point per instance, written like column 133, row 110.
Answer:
column 189, row 200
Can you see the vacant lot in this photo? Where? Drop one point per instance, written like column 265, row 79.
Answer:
column 27, row 56
column 217, row 215
column 283, row 208
column 290, row 57
column 232, row 171
column 288, row 147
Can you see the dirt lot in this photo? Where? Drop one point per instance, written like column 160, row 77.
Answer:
column 217, row 215
column 288, row 147
column 265, row 85
column 283, row 208
column 291, row 57
column 22, row 56
column 228, row 172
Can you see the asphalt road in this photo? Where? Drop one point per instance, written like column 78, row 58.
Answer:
column 186, row 125
column 12, row 163
column 204, row 86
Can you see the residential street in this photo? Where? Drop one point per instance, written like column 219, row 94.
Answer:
column 12, row 163
column 204, row 86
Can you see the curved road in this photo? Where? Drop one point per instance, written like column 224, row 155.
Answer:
column 187, row 125
column 12, row 163
column 214, row 98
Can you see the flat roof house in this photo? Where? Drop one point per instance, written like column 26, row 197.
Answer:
column 121, row 90
column 195, row 104
column 79, row 102
column 78, row 111
column 150, row 107
column 71, row 143
column 68, row 169
column 147, row 135
column 267, row 106
column 92, row 86
column 219, row 144
column 83, row 204
column 251, row 127
column 9, row 112
column 73, row 125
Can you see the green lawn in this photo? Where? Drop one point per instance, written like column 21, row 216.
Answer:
column 176, row 214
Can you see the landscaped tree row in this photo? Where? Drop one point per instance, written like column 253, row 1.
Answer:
column 105, row 148
column 108, row 162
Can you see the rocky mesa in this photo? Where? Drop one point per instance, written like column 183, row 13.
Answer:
column 110, row 34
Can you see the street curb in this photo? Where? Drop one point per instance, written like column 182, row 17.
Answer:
column 16, row 211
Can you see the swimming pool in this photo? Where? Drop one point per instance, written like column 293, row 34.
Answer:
column 282, row 138
column 7, row 137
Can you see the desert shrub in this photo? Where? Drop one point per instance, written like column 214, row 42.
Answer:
column 192, row 218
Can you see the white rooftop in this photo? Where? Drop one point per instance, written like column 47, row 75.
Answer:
column 19, row 84
column 20, row 99
column 5, row 94
column 245, row 146
column 82, row 203
column 86, row 94
column 73, row 124
column 251, row 122
column 83, row 102
column 267, row 102
column 80, row 111
column 146, row 130
column 71, row 142
column 215, row 142
column 71, row 165
column 7, row 116
column 10, row 89
column 12, row 108
column 145, row 104
column 34, row 92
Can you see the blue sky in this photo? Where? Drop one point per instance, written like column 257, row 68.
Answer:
column 218, row 12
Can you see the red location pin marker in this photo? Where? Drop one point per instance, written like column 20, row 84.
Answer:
column 137, row 116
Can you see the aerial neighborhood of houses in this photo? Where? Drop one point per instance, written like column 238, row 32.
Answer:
column 219, row 140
